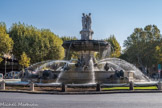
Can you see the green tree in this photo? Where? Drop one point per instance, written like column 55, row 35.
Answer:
column 115, row 46
column 24, row 61
column 6, row 43
column 141, row 46
column 159, row 53
column 39, row 45
column 53, row 45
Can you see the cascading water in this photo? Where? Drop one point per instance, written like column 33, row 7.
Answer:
column 61, row 73
column 37, row 65
column 113, row 65
column 120, row 64
column 48, row 64
column 106, row 52
column 92, row 71
column 69, row 50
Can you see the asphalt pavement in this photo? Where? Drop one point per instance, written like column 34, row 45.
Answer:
column 118, row 100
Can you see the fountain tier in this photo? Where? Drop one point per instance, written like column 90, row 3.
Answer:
column 86, row 45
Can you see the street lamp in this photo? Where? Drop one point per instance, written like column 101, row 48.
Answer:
column 5, row 56
column 159, row 70
column 12, row 57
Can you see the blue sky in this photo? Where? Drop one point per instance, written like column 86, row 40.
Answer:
column 63, row 17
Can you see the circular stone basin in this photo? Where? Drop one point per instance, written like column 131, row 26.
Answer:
column 86, row 45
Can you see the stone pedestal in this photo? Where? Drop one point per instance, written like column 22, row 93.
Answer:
column 3, row 86
column 86, row 34
column 31, row 86
column 98, row 87
column 131, row 85
column 159, row 86
column 130, row 76
column 63, row 87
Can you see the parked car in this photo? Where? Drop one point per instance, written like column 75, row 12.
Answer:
column 1, row 76
column 12, row 74
column 155, row 76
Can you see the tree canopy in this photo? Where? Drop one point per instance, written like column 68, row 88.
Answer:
column 38, row 44
column 143, row 46
column 6, row 43
column 115, row 46
column 24, row 60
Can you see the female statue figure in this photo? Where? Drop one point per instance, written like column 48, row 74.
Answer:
column 89, row 21
column 86, row 21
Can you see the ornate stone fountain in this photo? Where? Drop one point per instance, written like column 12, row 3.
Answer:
column 86, row 69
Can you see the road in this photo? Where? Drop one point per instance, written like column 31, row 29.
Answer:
column 123, row 100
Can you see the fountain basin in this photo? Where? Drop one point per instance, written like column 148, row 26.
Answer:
column 82, row 77
column 86, row 45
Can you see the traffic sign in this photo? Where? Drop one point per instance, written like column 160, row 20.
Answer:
column 159, row 66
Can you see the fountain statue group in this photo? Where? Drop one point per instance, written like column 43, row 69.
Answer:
column 86, row 32
column 86, row 21
column 86, row 69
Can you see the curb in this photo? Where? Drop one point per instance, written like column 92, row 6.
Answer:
column 84, row 93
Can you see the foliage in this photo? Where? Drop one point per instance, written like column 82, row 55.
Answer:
column 115, row 46
column 24, row 61
column 143, row 45
column 53, row 45
column 6, row 43
column 158, row 53
column 1, row 59
column 38, row 44
column 70, row 54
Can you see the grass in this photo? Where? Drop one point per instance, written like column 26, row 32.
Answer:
column 127, row 88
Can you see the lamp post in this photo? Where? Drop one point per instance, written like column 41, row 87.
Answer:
column 12, row 62
column 12, row 57
column 5, row 56
column 159, row 71
column 5, row 67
